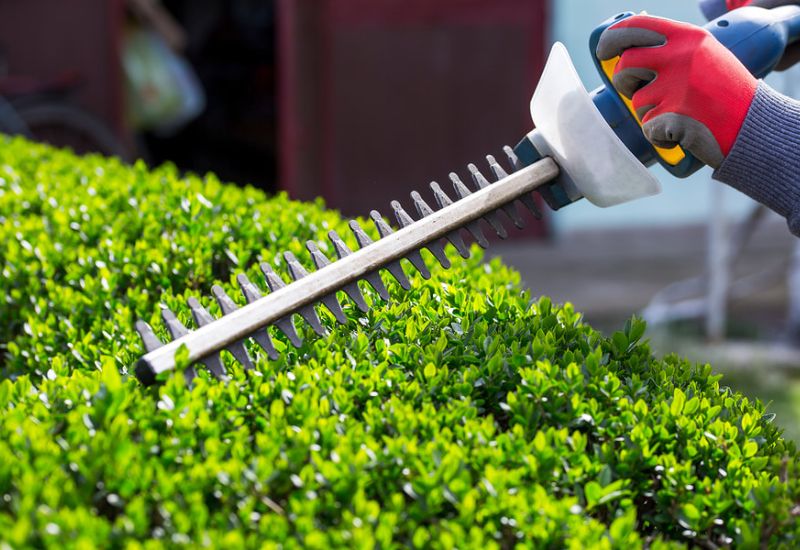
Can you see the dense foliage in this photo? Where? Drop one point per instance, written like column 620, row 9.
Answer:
column 460, row 415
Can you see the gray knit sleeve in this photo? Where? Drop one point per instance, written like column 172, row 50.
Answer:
column 764, row 163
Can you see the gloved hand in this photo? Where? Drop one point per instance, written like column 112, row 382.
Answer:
column 715, row 8
column 686, row 87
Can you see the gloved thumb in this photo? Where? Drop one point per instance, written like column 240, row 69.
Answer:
column 671, row 129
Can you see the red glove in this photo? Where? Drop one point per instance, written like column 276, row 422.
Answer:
column 686, row 87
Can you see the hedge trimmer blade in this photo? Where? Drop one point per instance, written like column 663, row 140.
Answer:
column 308, row 289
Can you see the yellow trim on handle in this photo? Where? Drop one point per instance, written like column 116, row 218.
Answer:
column 672, row 156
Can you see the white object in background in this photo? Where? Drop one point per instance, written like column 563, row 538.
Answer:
column 719, row 266
column 571, row 130
column 163, row 92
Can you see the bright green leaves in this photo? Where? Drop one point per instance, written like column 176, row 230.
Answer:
column 597, row 495
column 750, row 449
column 623, row 531
column 691, row 406
column 460, row 414
column 678, row 402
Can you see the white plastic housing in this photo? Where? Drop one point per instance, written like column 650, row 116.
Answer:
column 593, row 160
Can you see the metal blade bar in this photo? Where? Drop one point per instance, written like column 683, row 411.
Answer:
column 285, row 301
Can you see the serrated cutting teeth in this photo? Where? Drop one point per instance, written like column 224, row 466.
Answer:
column 394, row 268
column 177, row 330
column 320, row 286
column 384, row 230
column 481, row 182
column 149, row 338
column 275, row 283
column 443, row 201
column 261, row 336
column 462, row 191
column 509, row 209
column 527, row 199
column 351, row 289
column 424, row 210
column 435, row 247
column 202, row 318
column 330, row 301
column 297, row 271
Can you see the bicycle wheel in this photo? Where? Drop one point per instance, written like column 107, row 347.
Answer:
column 10, row 121
column 65, row 125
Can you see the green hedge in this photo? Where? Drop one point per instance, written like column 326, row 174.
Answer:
column 461, row 415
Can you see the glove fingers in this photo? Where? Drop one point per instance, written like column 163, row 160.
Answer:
column 647, row 98
column 672, row 129
column 631, row 80
column 614, row 41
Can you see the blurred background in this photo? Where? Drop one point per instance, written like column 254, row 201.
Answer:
column 361, row 101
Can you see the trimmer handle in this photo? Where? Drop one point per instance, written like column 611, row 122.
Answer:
column 758, row 37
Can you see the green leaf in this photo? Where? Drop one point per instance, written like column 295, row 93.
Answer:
column 623, row 529
column 678, row 401
column 635, row 329
column 593, row 492
column 111, row 377
column 748, row 422
column 619, row 343
column 691, row 512
column 691, row 406
column 429, row 371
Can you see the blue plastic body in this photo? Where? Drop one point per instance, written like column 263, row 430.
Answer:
column 757, row 37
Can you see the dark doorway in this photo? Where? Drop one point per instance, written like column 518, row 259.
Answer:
column 231, row 45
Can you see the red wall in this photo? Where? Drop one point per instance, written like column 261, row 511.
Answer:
column 42, row 38
column 378, row 97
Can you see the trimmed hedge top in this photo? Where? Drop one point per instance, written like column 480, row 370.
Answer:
column 462, row 414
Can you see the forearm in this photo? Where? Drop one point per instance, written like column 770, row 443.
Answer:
column 764, row 162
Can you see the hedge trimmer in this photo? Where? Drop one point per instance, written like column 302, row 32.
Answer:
column 585, row 145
